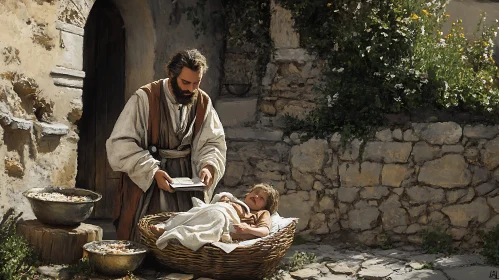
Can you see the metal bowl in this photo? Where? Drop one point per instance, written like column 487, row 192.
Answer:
column 114, row 264
column 62, row 212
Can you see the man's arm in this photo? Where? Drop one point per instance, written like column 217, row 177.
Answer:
column 209, row 149
column 125, row 147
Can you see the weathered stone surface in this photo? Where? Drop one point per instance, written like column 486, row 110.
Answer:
column 269, row 74
column 348, row 194
column 384, row 135
column 439, row 133
column 47, row 129
column 236, row 111
column 318, row 223
column 76, row 111
column 282, row 31
column 494, row 203
column 387, row 152
column 490, row 154
column 351, row 151
column 472, row 154
column 305, row 273
column 393, row 174
column 297, row 205
column 21, row 124
column 247, row 133
column 436, row 218
column 492, row 223
column 426, row 274
column 415, row 211
column 331, row 171
column 460, row 215
column 473, row 272
column 458, row 233
column 423, row 195
column 309, row 156
column 13, row 168
column 485, row 188
column 452, row 149
column 375, row 272
column 335, row 141
column 318, row 186
column 481, row 131
column 414, row 228
column 468, row 197
column 362, row 219
column 368, row 175
column 374, row 192
column 410, row 136
column 394, row 217
column 326, row 204
column 305, row 181
column 344, row 267
column 292, row 55
column 397, row 134
column 480, row 175
column 424, row 152
column 450, row 171
column 455, row 195
column 457, row 261
column 178, row 276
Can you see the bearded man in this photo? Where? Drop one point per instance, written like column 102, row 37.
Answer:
column 167, row 129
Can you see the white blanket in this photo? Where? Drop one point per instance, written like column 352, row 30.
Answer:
column 206, row 223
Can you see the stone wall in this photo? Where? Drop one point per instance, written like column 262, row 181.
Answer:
column 405, row 180
column 412, row 176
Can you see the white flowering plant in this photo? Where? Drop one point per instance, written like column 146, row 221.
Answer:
column 391, row 56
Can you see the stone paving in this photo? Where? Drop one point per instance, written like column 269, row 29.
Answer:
column 346, row 261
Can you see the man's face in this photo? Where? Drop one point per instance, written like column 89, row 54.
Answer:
column 185, row 86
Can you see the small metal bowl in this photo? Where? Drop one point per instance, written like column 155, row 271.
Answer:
column 62, row 212
column 113, row 264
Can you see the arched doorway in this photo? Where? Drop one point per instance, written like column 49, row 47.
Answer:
column 103, row 100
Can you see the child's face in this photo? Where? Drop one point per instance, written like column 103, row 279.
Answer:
column 256, row 200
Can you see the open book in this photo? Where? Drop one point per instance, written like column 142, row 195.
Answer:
column 187, row 184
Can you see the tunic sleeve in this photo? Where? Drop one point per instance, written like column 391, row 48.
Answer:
column 263, row 219
column 209, row 147
column 127, row 146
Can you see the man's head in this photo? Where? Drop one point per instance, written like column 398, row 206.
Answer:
column 186, row 69
column 262, row 196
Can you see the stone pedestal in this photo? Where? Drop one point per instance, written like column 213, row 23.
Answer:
column 58, row 244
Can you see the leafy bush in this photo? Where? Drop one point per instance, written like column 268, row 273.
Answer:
column 391, row 56
column 16, row 256
column 491, row 246
column 437, row 241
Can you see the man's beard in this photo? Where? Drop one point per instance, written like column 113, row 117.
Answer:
column 183, row 97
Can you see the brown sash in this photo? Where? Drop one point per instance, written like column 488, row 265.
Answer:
column 128, row 194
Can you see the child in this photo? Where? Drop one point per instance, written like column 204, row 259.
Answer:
column 262, row 200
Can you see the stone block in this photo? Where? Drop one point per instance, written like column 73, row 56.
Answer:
column 450, row 171
column 292, row 55
column 236, row 111
column 282, row 31
column 460, row 215
column 367, row 175
column 393, row 174
column 309, row 156
column 481, row 131
column 72, row 57
column 439, row 133
column 247, row 133
column 387, row 152
column 51, row 129
column 21, row 124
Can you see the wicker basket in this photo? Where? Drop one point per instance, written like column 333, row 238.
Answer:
column 252, row 262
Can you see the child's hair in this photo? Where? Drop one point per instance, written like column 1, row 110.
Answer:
column 272, row 201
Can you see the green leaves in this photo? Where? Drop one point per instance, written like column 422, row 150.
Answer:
column 395, row 59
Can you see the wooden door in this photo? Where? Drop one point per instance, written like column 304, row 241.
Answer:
column 103, row 100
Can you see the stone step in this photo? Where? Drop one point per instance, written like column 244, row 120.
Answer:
column 248, row 133
column 236, row 111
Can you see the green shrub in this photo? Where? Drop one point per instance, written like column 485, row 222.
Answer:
column 491, row 246
column 16, row 256
column 437, row 241
column 391, row 56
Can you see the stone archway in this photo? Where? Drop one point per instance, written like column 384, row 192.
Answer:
column 118, row 58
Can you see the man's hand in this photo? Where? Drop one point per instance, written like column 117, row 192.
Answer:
column 207, row 175
column 242, row 228
column 163, row 180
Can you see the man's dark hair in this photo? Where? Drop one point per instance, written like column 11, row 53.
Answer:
column 191, row 59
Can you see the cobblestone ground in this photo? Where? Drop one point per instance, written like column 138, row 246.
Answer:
column 345, row 262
